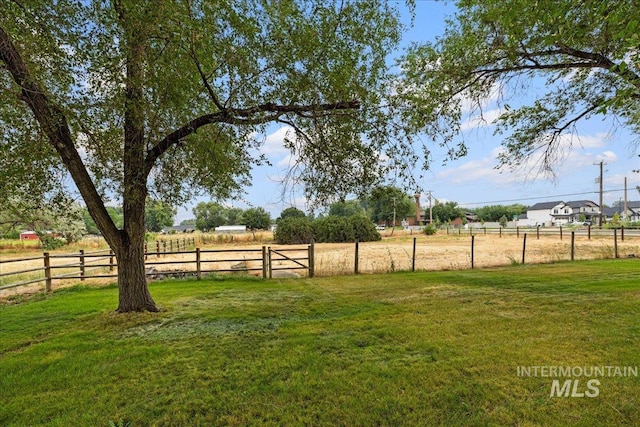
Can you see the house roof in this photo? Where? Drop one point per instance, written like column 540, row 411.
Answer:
column 580, row 203
column 609, row 212
column 633, row 205
column 544, row 205
column 181, row 228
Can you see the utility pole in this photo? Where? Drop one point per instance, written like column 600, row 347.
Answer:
column 626, row 205
column 601, row 163
column 430, row 208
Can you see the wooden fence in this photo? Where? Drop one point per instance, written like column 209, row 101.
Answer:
column 195, row 262
column 538, row 231
column 181, row 259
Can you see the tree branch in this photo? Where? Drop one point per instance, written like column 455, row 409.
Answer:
column 54, row 124
column 604, row 62
column 248, row 116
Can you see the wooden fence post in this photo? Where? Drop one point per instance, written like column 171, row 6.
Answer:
column 622, row 232
column 111, row 258
column 198, row 265
column 82, row 265
column 537, row 233
column 473, row 238
column 413, row 257
column 589, row 232
column 164, row 246
column 615, row 243
column 500, row 231
column 269, row 261
column 524, row 246
column 517, row 232
column 573, row 245
column 312, row 262
column 264, row 262
column 355, row 261
column 560, row 232
column 170, row 245
column 157, row 249
column 47, row 272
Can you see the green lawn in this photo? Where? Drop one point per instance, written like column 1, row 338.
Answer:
column 436, row 348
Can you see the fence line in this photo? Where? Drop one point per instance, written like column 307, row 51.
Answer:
column 267, row 260
column 589, row 231
column 262, row 261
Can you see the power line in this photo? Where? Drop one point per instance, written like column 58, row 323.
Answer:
column 541, row 197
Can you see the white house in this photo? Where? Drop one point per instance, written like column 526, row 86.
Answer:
column 540, row 214
column 560, row 213
column 583, row 209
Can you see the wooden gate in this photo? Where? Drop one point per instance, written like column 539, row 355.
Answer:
column 285, row 259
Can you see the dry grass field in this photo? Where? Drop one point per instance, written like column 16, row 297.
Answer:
column 393, row 253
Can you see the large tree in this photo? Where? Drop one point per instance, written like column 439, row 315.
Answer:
column 583, row 54
column 209, row 215
column 387, row 203
column 256, row 219
column 158, row 215
column 132, row 97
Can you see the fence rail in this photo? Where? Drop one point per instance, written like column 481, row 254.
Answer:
column 102, row 264
column 184, row 259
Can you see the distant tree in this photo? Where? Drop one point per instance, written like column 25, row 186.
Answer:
column 115, row 213
column 445, row 212
column 503, row 221
column 158, row 215
column 291, row 212
column 257, row 219
column 234, row 216
column 493, row 213
column 384, row 200
column 191, row 221
column 209, row 215
column 58, row 216
column 346, row 208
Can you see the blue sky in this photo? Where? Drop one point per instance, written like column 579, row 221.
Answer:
column 473, row 180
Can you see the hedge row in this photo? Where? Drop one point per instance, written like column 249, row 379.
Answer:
column 331, row 229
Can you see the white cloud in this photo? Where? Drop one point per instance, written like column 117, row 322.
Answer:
column 486, row 118
column 573, row 159
column 274, row 142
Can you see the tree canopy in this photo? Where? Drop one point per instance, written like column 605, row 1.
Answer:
column 256, row 219
column 388, row 202
column 158, row 214
column 133, row 98
column 584, row 53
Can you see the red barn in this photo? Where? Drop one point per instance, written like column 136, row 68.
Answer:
column 29, row 235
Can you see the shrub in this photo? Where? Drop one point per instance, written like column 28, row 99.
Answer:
column 293, row 230
column 363, row 229
column 333, row 229
column 430, row 230
column 50, row 242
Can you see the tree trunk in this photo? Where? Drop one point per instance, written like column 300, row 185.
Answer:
column 132, row 283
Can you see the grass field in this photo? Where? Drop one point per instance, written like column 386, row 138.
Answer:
column 422, row 349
